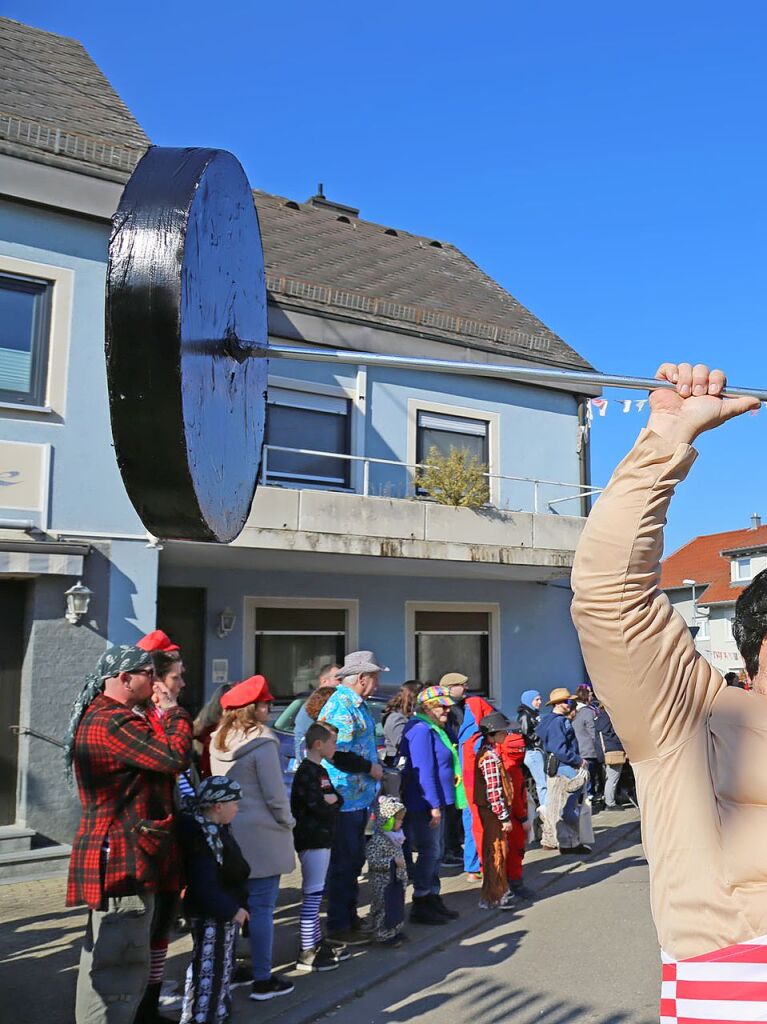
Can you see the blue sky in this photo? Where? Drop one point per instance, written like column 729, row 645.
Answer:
column 604, row 161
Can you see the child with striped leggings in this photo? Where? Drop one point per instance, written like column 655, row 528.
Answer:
column 315, row 805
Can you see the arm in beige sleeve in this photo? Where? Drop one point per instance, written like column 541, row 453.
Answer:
column 638, row 651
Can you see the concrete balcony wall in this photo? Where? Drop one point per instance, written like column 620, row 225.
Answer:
column 353, row 524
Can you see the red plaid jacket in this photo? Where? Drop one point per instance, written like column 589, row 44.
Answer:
column 125, row 773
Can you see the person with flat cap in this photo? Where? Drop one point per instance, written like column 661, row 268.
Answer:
column 567, row 775
column 456, row 684
column 697, row 746
column 124, row 769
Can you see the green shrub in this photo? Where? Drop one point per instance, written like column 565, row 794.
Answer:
column 456, row 479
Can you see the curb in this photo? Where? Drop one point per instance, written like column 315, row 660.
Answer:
column 392, row 967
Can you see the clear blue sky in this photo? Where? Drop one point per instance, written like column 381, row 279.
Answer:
column 605, row 161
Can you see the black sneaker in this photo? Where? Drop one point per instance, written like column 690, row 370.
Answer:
column 361, row 924
column 423, row 911
column 438, row 903
column 452, row 860
column 338, row 949
column 319, row 958
column 241, row 975
column 521, row 892
column 275, row 986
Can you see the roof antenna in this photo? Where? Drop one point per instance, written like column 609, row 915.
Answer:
column 320, row 191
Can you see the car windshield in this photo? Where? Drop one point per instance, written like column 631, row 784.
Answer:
column 286, row 717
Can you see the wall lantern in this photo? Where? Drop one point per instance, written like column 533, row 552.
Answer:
column 78, row 598
column 226, row 621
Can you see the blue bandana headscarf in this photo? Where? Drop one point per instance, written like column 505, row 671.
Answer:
column 528, row 697
column 122, row 658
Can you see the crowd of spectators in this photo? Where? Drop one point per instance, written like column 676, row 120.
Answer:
column 464, row 788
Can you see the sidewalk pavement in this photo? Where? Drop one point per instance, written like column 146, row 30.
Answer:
column 40, row 940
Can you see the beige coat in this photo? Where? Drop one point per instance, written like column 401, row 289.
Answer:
column 264, row 825
column 698, row 747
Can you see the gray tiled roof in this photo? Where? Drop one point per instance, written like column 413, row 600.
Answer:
column 366, row 271
column 57, row 107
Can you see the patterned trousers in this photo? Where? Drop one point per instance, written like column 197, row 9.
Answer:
column 206, row 994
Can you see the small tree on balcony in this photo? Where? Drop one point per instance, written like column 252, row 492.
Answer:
column 456, row 479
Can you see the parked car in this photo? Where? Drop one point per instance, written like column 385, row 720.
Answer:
column 284, row 727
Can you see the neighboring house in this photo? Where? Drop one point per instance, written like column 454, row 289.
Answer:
column 703, row 581
column 339, row 551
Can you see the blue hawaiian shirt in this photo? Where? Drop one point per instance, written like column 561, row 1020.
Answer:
column 349, row 713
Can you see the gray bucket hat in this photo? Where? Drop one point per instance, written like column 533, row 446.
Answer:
column 358, row 662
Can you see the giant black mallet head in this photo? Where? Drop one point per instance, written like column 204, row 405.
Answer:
column 186, row 333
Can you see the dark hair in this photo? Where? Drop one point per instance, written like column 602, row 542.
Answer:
column 327, row 670
column 584, row 694
column 750, row 625
column 404, row 699
column 318, row 700
column 164, row 662
column 732, row 679
column 318, row 731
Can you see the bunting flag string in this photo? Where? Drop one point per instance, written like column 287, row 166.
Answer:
column 626, row 405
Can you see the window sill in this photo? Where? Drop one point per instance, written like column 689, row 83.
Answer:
column 44, row 410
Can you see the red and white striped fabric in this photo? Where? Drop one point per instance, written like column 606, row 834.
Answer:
column 723, row 987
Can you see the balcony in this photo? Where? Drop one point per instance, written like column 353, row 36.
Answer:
column 351, row 524
column 388, row 478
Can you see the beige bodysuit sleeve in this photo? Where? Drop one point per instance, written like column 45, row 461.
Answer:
column 638, row 651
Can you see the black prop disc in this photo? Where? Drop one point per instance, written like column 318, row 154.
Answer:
column 186, row 299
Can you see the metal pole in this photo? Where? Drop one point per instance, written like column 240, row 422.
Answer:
column 523, row 374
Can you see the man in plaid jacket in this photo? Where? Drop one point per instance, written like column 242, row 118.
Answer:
column 122, row 766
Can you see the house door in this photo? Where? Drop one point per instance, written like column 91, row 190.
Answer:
column 12, row 599
column 181, row 614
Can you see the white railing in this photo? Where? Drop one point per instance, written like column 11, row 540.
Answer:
column 366, row 461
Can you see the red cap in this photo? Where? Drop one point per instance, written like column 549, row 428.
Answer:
column 249, row 691
column 157, row 641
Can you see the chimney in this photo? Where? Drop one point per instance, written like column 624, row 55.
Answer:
column 321, row 202
column 756, row 521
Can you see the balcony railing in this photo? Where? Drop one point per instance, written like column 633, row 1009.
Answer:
column 391, row 489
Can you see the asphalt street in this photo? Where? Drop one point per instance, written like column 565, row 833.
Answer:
column 585, row 951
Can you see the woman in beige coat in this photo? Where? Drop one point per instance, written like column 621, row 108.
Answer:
column 245, row 749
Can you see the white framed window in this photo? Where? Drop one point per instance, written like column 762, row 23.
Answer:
column 700, row 625
column 741, row 570
column 452, row 637
column 730, row 623
column 432, row 424
column 305, row 422
column 289, row 640
column 443, row 432
column 25, row 326
column 35, row 325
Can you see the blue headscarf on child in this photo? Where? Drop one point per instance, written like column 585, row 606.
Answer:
column 528, row 697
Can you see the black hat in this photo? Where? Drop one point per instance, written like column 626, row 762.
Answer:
column 494, row 722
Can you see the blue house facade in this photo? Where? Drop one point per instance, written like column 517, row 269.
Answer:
column 341, row 549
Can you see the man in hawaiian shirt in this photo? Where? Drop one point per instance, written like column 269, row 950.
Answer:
column 348, row 712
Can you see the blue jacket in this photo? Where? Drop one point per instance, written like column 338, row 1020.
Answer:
column 558, row 737
column 428, row 779
column 606, row 733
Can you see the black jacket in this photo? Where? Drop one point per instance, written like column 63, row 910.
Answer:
column 213, row 890
column 315, row 819
column 528, row 720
